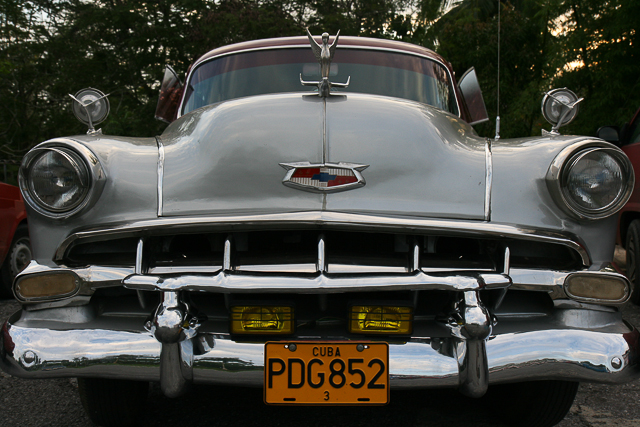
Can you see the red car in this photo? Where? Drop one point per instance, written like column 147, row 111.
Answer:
column 628, row 138
column 15, row 251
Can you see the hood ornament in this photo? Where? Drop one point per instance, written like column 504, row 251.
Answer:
column 324, row 177
column 324, row 55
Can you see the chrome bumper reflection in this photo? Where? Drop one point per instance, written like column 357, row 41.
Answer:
column 577, row 355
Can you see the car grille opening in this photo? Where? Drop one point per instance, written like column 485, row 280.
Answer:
column 297, row 251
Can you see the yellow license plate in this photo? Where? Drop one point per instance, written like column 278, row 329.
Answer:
column 326, row 373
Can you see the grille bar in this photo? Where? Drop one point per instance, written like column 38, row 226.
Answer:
column 228, row 279
column 324, row 283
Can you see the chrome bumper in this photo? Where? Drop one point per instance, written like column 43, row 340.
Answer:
column 29, row 349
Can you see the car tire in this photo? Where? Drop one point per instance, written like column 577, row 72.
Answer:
column 114, row 403
column 533, row 404
column 632, row 246
column 18, row 257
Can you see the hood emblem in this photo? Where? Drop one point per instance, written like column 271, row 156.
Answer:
column 324, row 177
column 324, row 55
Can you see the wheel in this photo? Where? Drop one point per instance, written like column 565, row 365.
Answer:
column 633, row 259
column 533, row 404
column 17, row 259
column 113, row 402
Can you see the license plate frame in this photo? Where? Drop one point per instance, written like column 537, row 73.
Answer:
column 317, row 373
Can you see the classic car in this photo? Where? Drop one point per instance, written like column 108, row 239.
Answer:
column 628, row 139
column 15, row 251
column 326, row 224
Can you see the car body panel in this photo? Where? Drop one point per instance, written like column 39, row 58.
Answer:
column 231, row 167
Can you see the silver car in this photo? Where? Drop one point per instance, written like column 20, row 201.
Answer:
column 326, row 224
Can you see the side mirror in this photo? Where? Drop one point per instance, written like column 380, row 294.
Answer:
column 610, row 134
column 472, row 95
column 170, row 95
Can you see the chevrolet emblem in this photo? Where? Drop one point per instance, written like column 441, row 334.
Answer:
column 324, row 177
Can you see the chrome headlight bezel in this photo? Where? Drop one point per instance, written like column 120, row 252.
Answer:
column 86, row 166
column 558, row 174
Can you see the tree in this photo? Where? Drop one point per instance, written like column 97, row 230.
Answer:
column 467, row 36
column 118, row 46
column 602, row 57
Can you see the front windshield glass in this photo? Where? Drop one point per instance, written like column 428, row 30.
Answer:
column 278, row 70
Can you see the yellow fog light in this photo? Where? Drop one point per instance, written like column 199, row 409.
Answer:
column 597, row 288
column 376, row 319
column 261, row 320
column 47, row 286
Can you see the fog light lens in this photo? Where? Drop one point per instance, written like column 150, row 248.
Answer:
column 604, row 288
column 45, row 286
column 377, row 319
column 261, row 320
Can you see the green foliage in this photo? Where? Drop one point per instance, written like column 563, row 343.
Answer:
column 369, row 18
column 589, row 46
column 52, row 48
column 603, row 42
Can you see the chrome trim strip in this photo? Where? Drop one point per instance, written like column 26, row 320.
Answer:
column 324, row 218
column 507, row 261
column 321, row 265
column 317, row 283
column 419, row 363
column 160, row 174
column 301, row 46
column 325, row 146
column 139, row 255
column 226, row 260
column 488, row 180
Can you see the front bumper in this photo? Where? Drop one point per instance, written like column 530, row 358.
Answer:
column 555, row 348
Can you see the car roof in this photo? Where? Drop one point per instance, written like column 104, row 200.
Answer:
column 303, row 41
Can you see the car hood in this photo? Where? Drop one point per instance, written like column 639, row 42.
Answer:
column 226, row 158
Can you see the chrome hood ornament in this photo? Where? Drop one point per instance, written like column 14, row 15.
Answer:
column 324, row 177
column 324, row 55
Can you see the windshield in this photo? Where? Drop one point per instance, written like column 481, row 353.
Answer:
column 278, row 70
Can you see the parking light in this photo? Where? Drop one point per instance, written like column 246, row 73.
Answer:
column 47, row 286
column 597, row 288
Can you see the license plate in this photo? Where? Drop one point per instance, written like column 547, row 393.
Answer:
column 326, row 373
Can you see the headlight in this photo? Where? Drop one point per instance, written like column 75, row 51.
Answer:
column 57, row 180
column 593, row 182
